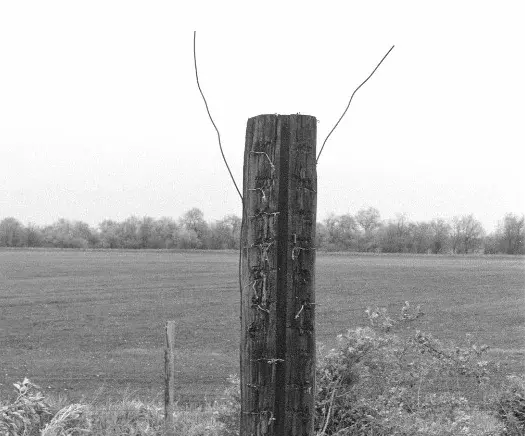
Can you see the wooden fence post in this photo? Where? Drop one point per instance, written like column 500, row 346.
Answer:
column 277, row 276
column 169, row 372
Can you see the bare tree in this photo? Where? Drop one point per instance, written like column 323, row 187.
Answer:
column 512, row 233
column 369, row 219
column 146, row 234
column 128, row 232
column 34, row 235
column 395, row 235
column 342, row 232
column 225, row 233
column 108, row 233
column 193, row 222
column 455, row 234
column 11, row 233
column 421, row 235
column 321, row 235
column 440, row 235
column 165, row 231
column 467, row 234
column 472, row 233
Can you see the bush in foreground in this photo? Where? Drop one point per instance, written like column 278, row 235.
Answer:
column 376, row 382
column 509, row 404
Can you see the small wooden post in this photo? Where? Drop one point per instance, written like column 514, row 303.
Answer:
column 277, row 276
column 169, row 371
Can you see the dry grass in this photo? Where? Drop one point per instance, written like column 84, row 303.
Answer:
column 32, row 414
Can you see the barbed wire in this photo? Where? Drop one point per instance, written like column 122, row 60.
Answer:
column 211, row 119
column 357, row 89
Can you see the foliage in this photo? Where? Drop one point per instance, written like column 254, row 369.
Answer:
column 509, row 237
column 509, row 404
column 190, row 232
column 375, row 382
column 467, row 234
column 26, row 414
column 362, row 232
column 32, row 414
column 72, row 419
column 341, row 233
column 12, row 233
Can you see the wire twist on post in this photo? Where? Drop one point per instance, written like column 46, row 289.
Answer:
column 262, row 192
column 268, row 157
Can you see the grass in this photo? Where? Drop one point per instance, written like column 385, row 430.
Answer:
column 35, row 414
column 76, row 321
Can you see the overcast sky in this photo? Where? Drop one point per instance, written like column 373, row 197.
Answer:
column 100, row 115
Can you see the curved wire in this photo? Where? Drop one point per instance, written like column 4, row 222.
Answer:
column 211, row 119
column 357, row 89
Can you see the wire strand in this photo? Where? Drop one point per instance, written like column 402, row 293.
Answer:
column 211, row 119
column 357, row 89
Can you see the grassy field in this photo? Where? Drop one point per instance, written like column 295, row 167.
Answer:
column 76, row 321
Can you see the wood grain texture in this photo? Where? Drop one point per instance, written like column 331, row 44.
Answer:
column 277, row 276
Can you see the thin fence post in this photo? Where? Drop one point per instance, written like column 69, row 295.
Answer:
column 169, row 371
column 277, row 276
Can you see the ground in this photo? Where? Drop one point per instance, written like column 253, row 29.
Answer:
column 76, row 321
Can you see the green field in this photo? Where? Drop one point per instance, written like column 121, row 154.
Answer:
column 76, row 321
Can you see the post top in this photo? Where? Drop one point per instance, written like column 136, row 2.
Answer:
column 298, row 114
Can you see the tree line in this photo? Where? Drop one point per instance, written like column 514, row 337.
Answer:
column 364, row 231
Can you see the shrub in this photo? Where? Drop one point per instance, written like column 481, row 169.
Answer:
column 509, row 405
column 375, row 382
column 26, row 415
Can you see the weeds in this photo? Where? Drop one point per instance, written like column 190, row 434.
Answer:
column 32, row 414
column 376, row 382
column 27, row 413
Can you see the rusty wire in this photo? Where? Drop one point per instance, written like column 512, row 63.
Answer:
column 357, row 89
column 211, row 119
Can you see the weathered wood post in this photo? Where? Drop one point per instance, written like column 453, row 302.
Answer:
column 277, row 279
column 169, row 374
